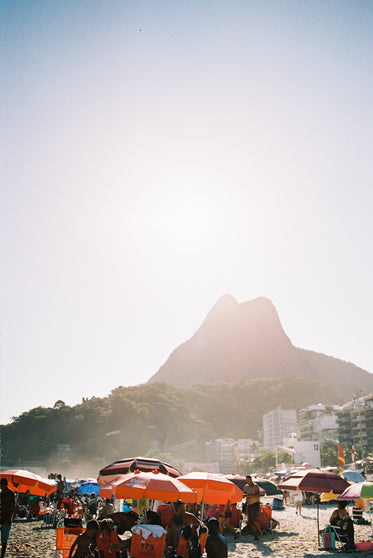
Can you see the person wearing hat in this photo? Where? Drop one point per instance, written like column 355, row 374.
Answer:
column 216, row 547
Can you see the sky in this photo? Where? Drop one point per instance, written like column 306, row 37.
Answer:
column 157, row 155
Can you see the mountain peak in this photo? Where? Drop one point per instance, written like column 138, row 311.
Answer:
column 242, row 341
column 225, row 303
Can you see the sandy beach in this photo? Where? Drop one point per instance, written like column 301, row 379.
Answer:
column 296, row 536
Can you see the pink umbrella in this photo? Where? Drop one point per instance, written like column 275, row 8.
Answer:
column 357, row 491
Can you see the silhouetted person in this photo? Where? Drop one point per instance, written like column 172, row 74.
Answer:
column 60, row 489
column 85, row 543
column 7, row 508
column 251, row 492
column 216, row 547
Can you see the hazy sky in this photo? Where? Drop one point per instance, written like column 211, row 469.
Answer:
column 156, row 155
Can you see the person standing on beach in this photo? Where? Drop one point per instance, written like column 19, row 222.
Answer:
column 298, row 498
column 7, row 507
column 60, row 489
column 251, row 492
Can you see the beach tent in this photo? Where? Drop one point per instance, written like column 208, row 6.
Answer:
column 88, row 487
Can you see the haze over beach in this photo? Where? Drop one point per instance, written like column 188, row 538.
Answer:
column 157, row 155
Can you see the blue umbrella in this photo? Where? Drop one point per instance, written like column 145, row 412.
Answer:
column 89, row 487
column 353, row 476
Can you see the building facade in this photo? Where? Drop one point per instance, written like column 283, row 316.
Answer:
column 355, row 421
column 317, row 422
column 277, row 425
column 223, row 451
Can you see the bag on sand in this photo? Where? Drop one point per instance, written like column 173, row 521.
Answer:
column 328, row 541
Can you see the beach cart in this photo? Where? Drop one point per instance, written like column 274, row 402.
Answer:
column 67, row 531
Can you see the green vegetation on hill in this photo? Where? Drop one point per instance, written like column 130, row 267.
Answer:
column 152, row 418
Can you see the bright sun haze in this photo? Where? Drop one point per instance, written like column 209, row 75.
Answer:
column 159, row 155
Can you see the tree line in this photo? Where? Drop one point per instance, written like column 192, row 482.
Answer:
column 152, row 418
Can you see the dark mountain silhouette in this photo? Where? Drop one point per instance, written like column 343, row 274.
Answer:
column 243, row 341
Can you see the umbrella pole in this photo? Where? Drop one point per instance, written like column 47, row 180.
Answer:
column 318, row 522
column 203, row 503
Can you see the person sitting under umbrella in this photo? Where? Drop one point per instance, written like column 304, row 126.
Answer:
column 341, row 519
column 225, row 515
column 124, row 522
column 216, row 547
column 181, row 519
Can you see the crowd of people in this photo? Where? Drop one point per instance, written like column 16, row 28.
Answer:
column 184, row 527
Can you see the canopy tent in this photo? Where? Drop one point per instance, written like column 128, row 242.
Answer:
column 89, row 488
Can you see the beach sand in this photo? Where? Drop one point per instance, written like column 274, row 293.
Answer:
column 296, row 537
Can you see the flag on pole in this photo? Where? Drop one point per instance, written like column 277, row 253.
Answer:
column 353, row 452
column 341, row 457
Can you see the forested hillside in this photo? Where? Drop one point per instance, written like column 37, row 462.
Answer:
column 152, row 417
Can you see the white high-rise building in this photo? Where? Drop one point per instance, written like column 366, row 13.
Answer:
column 277, row 425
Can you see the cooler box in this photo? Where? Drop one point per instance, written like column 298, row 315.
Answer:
column 148, row 541
column 277, row 504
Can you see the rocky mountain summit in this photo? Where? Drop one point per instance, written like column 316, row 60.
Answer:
column 243, row 341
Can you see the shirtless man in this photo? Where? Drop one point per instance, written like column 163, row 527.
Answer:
column 85, row 544
column 181, row 519
column 251, row 492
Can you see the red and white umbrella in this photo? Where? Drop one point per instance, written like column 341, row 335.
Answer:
column 154, row 486
column 131, row 464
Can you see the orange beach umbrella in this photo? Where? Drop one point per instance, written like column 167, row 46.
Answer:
column 154, row 486
column 212, row 488
column 21, row 480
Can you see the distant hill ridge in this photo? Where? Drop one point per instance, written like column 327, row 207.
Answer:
column 243, row 341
